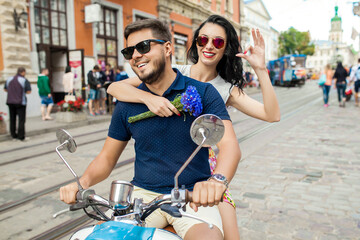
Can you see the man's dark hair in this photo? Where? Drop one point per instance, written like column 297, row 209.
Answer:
column 20, row 70
column 96, row 68
column 359, row 60
column 159, row 29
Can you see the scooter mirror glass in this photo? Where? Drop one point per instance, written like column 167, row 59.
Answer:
column 213, row 129
column 66, row 139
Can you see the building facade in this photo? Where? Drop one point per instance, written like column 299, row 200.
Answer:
column 332, row 50
column 53, row 34
column 257, row 17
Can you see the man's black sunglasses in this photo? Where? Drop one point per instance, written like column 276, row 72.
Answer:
column 142, row 47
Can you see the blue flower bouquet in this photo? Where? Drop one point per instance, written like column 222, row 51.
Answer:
column 189, row 101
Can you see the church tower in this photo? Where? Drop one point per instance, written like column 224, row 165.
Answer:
column 336, row 31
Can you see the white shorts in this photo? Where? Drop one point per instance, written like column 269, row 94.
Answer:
column 160, row 219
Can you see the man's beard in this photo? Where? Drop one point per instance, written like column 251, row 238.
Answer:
column 154, row 76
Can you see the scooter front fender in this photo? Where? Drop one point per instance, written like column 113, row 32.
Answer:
column 122, row 231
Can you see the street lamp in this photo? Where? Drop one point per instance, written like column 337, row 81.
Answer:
column 18, row 18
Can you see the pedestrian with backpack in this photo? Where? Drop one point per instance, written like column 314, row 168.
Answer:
column 355, row 76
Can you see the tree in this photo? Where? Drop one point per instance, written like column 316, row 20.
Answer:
column 294, row 42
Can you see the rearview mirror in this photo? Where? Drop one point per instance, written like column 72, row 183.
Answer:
column 66, row 140
column 209, row 127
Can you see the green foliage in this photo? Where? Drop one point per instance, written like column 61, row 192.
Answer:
column 294, row 42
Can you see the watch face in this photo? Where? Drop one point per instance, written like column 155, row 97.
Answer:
column 219, row 177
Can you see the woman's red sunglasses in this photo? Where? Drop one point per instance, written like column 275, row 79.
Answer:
column 217, row 42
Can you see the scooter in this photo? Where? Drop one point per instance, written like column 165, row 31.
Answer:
column 127, row 220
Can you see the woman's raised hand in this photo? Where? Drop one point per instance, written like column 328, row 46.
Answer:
column 161, row 106
column 256, row 58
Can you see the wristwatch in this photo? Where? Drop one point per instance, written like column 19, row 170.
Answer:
column 220, row 178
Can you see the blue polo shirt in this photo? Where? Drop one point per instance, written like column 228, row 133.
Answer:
column 163, row 144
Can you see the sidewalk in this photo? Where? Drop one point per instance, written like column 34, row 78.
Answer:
column 35, row 125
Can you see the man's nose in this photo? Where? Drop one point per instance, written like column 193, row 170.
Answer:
column 136, row 54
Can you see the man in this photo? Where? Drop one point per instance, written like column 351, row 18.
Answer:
column 45, row 94
column 355, row 76
column 94, row 85
column 164, row 144
column 17, row 87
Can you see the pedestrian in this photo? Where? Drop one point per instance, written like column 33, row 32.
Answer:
column 159, row 156
column 47, row 102
column 104, row 77
column 355, row 77
column 327, row 85
column 109, row 74
column 213, row 52
column 68, row 81
column 340, row 83
column 94, row 85
column 120, row 74
column 17, row 87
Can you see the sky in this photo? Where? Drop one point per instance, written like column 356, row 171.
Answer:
column 314, row 16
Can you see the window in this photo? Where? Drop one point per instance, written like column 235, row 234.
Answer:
column 106, row 37
column 139, row 17
column 180, row 48
column 50, row 22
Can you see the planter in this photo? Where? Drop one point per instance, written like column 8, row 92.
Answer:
column 3, row 129
column 70, row 116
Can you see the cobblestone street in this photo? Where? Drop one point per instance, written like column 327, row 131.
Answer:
column 305, row 184
column 298, row 178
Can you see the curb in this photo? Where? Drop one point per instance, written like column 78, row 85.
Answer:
column 30, row 133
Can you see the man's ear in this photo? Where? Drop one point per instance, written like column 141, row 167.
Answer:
column 168, row 48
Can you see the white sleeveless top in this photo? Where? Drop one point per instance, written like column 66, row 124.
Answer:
column 224, row 88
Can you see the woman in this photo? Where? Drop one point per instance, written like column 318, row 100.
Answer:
column 340, row 83
column 68, row 81
column 327, row 84
column 212, row 51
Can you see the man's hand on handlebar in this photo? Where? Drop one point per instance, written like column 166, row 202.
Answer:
column 207, row 193
column 68, row 193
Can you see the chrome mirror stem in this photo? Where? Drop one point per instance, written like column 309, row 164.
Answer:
column 68, row 166
column 202, row 131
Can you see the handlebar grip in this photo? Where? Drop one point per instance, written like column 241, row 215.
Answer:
column 188, row 196
column 77, row 206
column 78, row 196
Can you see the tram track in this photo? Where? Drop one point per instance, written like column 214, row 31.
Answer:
column 9, row 205
column 68, row 227
column 298, row 103
column 289, row 103
column 51, row 141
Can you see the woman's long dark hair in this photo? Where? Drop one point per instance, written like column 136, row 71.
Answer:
column 229, row 67
column 340, row 69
